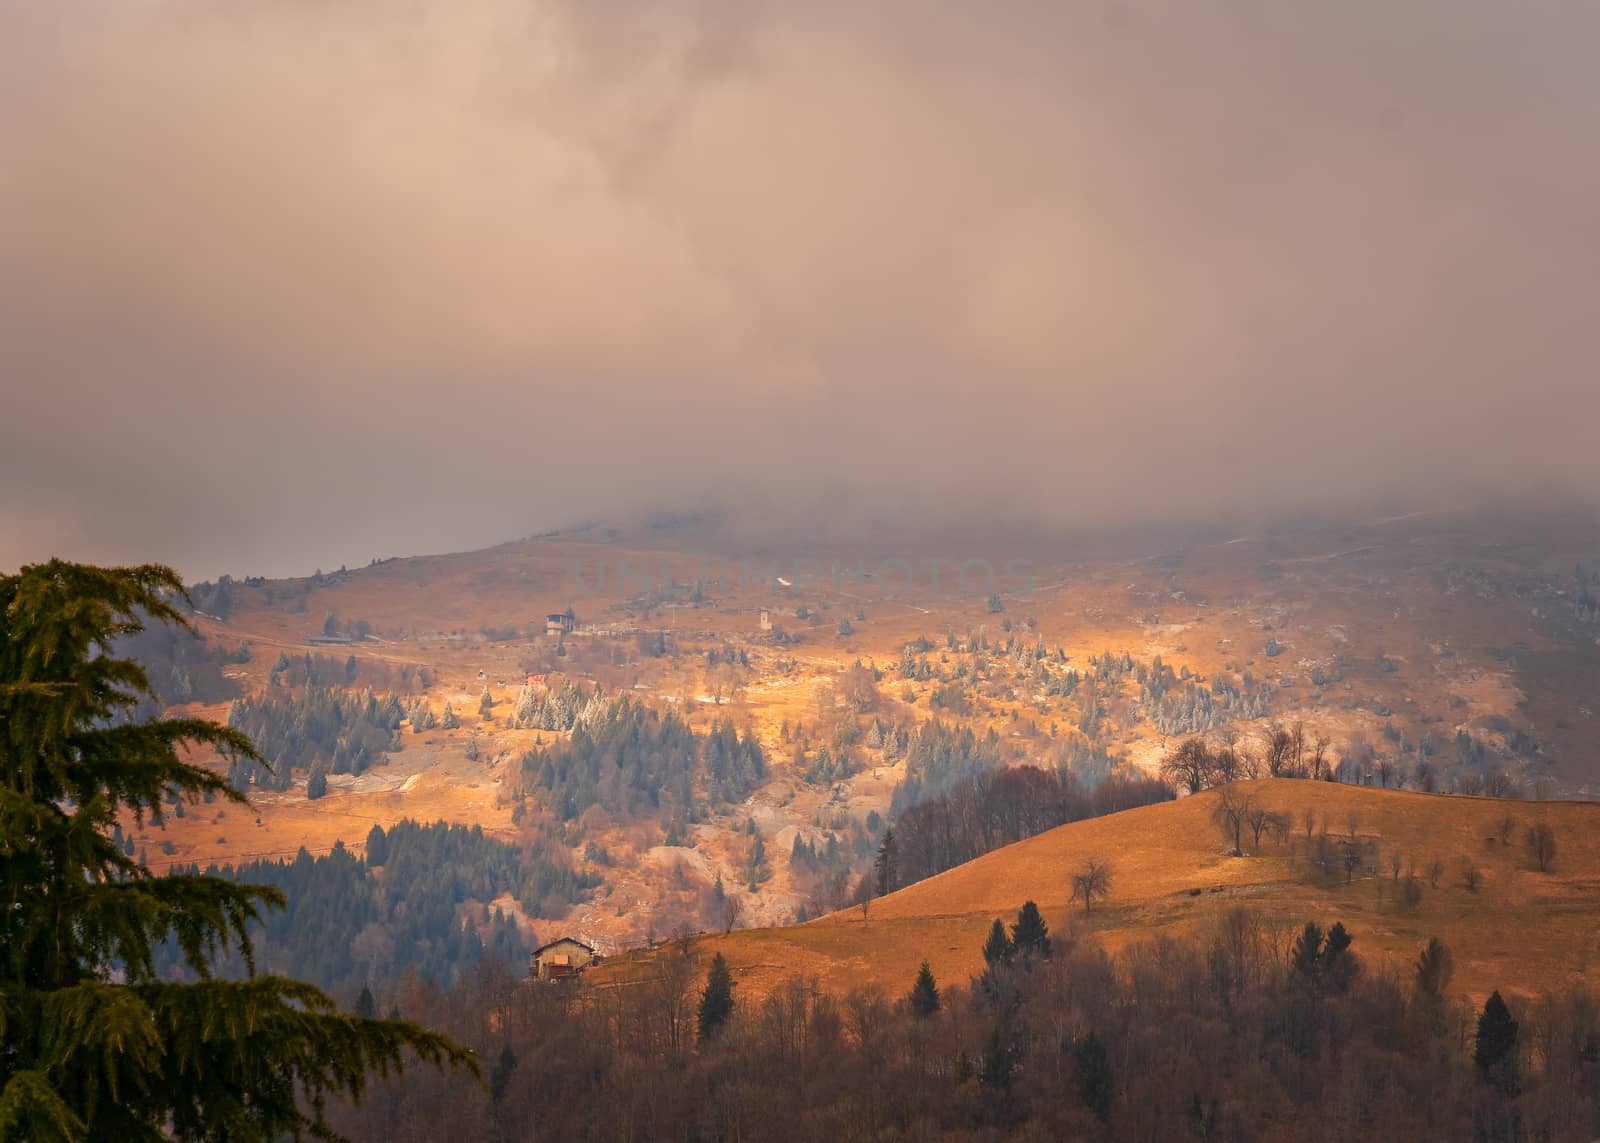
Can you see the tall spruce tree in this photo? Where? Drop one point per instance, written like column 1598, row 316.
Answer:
column 96, row 1046
column 1030, row 936
column 998, row 948
column 1494, row 1050
column 886, row 865
column 924, row 993
column 716, row 1002
column 377, row 845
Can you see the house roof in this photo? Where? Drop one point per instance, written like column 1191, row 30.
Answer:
column 563, row 941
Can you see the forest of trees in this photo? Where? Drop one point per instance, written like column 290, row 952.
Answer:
column 183, row 666
column 985, row 810
column 345, row 927
column 638, row 763
column 309, row 669
column 938, row 756
column 1247, row 1032
column 1280, row 751
column 326, row 728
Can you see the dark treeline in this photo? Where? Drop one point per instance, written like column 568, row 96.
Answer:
column 184, row 666
column 338, row 731
column 637, row 763
column 938, row 756
column 992, row 808
column 1246, row 1033
column 1290, row 752
column 419, row 905
column 295, row 671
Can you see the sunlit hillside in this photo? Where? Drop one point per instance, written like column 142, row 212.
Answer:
column 1416, row 651
column 1520, row 930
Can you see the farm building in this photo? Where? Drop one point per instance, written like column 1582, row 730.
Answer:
column 561, row 958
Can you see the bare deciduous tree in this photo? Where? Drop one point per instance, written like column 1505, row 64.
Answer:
column 1262, row 820
column 863, row 896
column 1499, row 784
column 1278, row 746
column 1229, row 815
column 1225, row 764
column 1540, row 842
column 671, row 1003
column 732, row 908
column 1319, row 756
column 1191, row 766
column 1091, row 881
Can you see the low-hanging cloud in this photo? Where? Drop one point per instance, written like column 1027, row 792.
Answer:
column 299, row 283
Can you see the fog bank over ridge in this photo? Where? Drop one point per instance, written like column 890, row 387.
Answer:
column 303, row 284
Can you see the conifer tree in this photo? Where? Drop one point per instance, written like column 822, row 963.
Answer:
column 924, row 993
column 996, row 1067
column 998, row 948
column 1494, row 1051
column 500, row 1076
column 716, row 1002
column 377, row 845
column 97, row 1045
column 1030, row 936
column 886, row 865
column 1091, row 1074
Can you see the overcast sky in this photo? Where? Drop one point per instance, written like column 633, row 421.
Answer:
column 295, row 283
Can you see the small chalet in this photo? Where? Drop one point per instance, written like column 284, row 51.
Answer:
column 561, row 958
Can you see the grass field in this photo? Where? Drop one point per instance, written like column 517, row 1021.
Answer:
column 1521, row 931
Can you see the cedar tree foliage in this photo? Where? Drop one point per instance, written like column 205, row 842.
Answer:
column 93, row 1045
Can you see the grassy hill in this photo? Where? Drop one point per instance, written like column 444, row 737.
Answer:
column 1415, row 644
column 1520, row 931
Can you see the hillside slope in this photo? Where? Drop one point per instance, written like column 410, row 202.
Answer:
column 1437, row 653
column 1520, row 930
